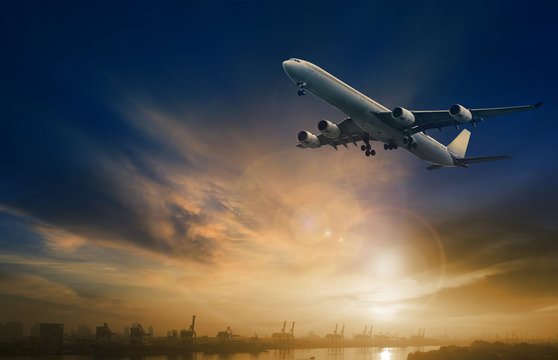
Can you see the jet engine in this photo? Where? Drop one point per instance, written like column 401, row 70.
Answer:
column 460, row 114
column 403, row 116
column 307, row 139
column 329, row 129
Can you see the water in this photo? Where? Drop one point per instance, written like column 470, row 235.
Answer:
column 399, row 353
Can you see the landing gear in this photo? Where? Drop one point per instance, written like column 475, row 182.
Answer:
column 367, row 148
column 390, row 146
column 301, row 85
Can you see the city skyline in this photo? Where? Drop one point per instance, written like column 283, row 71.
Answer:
column 149, row 169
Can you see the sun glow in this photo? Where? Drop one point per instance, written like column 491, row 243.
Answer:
column 385, row 354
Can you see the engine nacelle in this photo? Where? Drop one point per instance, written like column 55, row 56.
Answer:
column 329, row 129
column 403, row 116
column 307, row 139
column 460, row 114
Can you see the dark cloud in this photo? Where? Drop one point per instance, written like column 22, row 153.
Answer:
column 518, row 225
column 81, row 189
column 527, row 288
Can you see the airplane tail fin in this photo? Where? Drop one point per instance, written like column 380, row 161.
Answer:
column 459, row 145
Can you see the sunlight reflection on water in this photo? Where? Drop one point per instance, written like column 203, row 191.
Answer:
column 296, row 354
column 307, row 354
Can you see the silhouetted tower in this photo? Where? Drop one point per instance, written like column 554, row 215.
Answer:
column 190, row 334
column 365, row 337
column 335, row 337
column 225, row 335
column 103, row 334
column 136, row 335
column 52, row 335
column 14, row 330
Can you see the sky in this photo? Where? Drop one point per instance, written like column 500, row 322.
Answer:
column 149, row 170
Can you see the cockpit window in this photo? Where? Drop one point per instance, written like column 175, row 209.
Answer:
column 296, row 60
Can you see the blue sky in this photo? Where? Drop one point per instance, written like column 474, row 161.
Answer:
column 164, row 133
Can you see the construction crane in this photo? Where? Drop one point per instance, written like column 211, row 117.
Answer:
column 225, row 335
column 103, row 334
column 282, row 335
column 291, row 334
column 335, row 337
column 189, row 334
column 137, row 334
column 365, row 337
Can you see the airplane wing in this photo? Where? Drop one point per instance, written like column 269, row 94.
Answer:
column 350, row 133
column 437, row 119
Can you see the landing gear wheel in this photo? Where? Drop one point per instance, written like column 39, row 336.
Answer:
column 386, row 146
column 372, row 152
column 394, row 146
column 362, row 147
column 301, row 92
column 367, row 153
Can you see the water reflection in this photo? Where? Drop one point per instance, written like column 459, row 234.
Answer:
column 296, row 354
column 385, row 354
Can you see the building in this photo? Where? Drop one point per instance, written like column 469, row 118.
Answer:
column 103, row 334
column 36, row 330
column 137, row 335
column 14, row 330
column 52, row 335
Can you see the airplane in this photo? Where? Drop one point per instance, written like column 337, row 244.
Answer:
column 370, row 121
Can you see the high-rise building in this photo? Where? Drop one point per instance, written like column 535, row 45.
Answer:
column 52, row 335
column 14, row 330
column 36, row 330
column 103, row 334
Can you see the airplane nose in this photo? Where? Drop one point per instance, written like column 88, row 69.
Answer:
column 287, row 64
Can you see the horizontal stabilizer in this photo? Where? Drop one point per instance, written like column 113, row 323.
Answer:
column 473, row 160
column 434, row 167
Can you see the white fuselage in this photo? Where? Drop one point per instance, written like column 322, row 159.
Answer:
column 361, row 110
